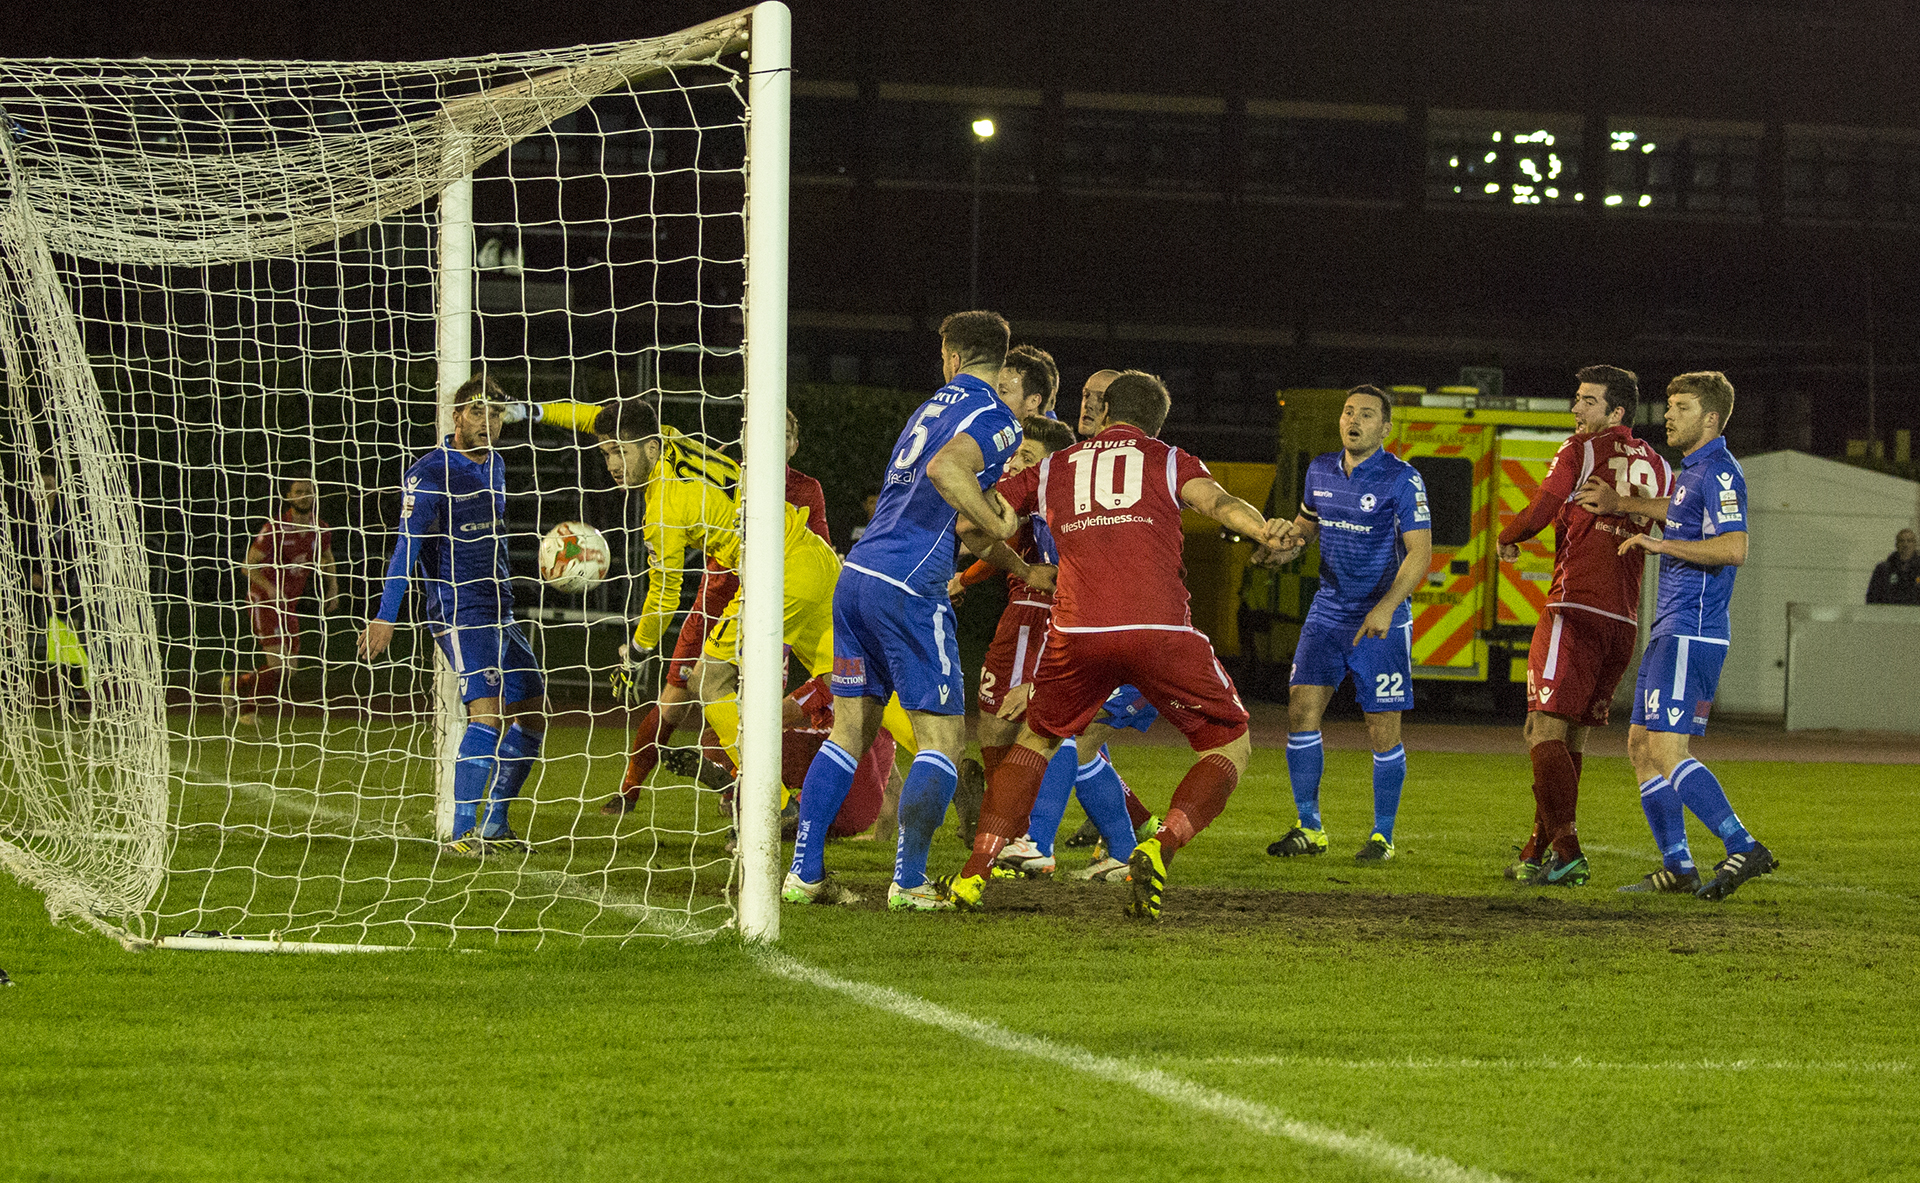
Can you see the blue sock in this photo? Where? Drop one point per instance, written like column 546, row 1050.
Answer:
column 472, row 769
column 518, row 750
column 1389, row 774
column 1104, row 796
column 923, row 806
column 829, row 780
column 1305, row 760
column 1668, row 823
column 1043, row 825
column 1700, row 791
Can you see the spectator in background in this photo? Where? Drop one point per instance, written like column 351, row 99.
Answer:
column 872, row 501
column 1897, row 580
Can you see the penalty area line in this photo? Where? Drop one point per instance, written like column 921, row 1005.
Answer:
column 1164, row 1086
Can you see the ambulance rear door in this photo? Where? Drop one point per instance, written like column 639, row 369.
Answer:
column 1450, row 611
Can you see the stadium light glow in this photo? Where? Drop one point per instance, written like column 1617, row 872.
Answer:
column 983, row 128
column 1646, row 199
column 1614, row 199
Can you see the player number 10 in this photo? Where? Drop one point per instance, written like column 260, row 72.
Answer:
column 1633, row 478
column 1117, row 472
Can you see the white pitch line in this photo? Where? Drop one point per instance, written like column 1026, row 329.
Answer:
column 1165, row 1086
column 1419, row 1064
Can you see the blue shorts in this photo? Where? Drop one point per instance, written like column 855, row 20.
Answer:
column 1678, row 679
column 887, row 640
column 1127, row 707
column 492, row 660
column 1382, row 666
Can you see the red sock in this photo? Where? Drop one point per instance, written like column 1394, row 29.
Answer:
column 1202, row 794
column 645, row 753
column 1003, row 815
column 266, row 682
column 990, row 758
column 1136, row 808
column 1557, row 788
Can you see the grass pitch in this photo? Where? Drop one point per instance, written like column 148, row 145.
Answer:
column 1426, row 1007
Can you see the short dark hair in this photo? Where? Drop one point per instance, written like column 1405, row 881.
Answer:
column 1711, row 388
column 1139, row 398
column 980, row 338
column 1622, row 386
column 1052, row 434
column 1386, row 400
column 629, row 418
column 1038, row 374
column 480, row 386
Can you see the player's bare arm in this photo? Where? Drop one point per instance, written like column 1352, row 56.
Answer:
column 255, row 565
column 330, row 578
column 1206, row 496
column 1295, row 536
column 1725, row 550
column 1413, row 572
column 955, row 473
column 1039, row 576
column 375, row 638
column 1598, row 496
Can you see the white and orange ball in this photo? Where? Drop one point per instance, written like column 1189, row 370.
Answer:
column 574, row 557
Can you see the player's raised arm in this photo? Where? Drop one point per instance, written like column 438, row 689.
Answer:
column 955, row 473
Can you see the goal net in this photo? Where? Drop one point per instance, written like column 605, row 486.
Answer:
column 226, row 285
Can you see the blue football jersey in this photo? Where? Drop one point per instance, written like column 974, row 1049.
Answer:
column 1361, row 518
column 1709, row 499
column 450, row 521
column 910, row 542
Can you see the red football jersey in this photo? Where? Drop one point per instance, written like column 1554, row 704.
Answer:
column 1113, row 506
column 805, row 493
column 1588, row 571
column 291, row 548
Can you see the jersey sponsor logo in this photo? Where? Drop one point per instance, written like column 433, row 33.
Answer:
column 1350, row 527
column 1322, row 493
column 900, row 476
column 1105, row 519
column 1673, row 715
column 1729, row 506
column 1546, row 693
column 849, row 671
column 1367, row 503
column 1726, row 480
column 476, row 527
column 1003, row 439
column 943, row 695
column 1701, row 709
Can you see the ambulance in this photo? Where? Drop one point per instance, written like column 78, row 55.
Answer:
column 1482, row 457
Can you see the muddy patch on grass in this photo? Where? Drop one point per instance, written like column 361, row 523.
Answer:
column 1349, row 915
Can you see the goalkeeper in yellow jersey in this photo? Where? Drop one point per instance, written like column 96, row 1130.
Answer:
column 692, row 493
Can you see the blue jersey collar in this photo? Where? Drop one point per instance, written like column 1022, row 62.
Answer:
column 1717, row 446
column 974, row 383
column 1374, row 461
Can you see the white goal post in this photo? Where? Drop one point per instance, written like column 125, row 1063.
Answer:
column 221, row 281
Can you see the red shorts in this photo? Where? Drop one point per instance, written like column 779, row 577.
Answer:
column 797, row 750
column 275, row 627
column 716, row 589
column 1175, row 671
column 1577, row 659
column 1014, row 655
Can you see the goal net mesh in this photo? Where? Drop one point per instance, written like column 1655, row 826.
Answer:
column 220, row 277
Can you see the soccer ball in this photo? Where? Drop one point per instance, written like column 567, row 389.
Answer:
column 574, row 557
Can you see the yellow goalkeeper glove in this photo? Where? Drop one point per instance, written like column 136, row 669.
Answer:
column 630, row 679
